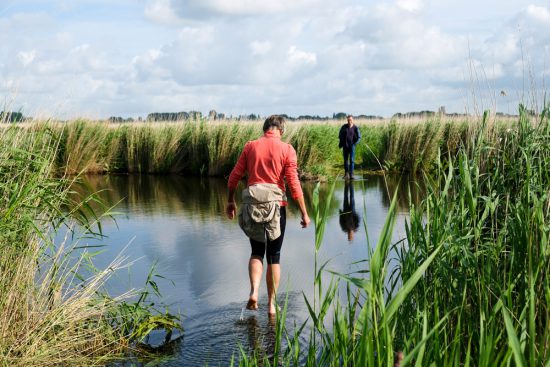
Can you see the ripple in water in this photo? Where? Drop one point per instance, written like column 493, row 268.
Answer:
column 214, row 337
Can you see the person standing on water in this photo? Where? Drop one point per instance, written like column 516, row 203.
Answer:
column 348, row 137
column 268, row 162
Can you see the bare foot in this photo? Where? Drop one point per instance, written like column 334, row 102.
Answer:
column 252, row 305
column 272, row 310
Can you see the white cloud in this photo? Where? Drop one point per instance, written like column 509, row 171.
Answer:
column 503, row 48
column 161, row 11
column 297, row 57
column 81, row 48
column 397, row 39
column 254, row 6
column 410, row 5
column 245, row 56
column 517, row 49
column 539, row 13
column 260, row 47
column 191, row 9
column 26, row 57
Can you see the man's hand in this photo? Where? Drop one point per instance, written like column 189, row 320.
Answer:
column 231, row 209
column 305, row 220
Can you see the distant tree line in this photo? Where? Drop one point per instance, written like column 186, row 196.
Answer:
column 13, row 117
column 174, row 116
column 441, row 112
column 414, row 114
column 122, row 119
column 7, row 116
column 213, row 115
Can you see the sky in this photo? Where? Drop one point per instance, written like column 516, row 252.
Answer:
column 95, row 59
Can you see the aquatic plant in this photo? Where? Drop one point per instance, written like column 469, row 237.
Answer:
column 471, row 285
column 53, row 308
column 201, row 147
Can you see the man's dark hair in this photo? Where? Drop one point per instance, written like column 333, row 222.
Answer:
column 348, row 116
column 274, row 121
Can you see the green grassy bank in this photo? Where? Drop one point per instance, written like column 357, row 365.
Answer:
column 212, row 147
column 471, row 285
column 53, row 309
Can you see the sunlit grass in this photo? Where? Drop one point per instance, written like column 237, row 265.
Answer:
column 212, row 147
column 53, row 308
column 471, row 286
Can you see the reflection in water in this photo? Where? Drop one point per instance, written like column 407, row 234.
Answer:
column 167, row 194
column 261, row 335
column 179, row 224
column 206, row 197
column 349, row 219
column 409, row 189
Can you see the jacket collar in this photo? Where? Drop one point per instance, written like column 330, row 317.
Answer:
column 273, row 133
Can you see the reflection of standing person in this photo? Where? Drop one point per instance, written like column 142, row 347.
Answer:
column 349, row 219
column 268, row 162
column 348, row 137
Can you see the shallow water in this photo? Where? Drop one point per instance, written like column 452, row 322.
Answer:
column 179, row 224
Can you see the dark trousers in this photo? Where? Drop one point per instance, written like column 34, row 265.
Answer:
column 273, row 248
column 349, row 159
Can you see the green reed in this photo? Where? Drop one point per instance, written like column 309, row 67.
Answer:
column 53, row 310
column 201, row 147
column 471, row 286
column 490, row 212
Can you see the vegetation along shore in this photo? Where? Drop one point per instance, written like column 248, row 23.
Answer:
column 53, row 307
column 205, row 147
column 471, row 285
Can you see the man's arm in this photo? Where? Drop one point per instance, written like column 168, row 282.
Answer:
column 305, row 217
column 236, row 174
column 291, row 175
column 231, row 207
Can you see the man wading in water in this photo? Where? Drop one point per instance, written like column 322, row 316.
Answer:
column 267, row 161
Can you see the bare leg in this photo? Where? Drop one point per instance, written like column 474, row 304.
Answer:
column 255, row 270
column 272, row 277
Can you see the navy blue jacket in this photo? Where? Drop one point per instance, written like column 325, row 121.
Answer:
column 343, row 134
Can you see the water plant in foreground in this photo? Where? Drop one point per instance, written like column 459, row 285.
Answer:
column 471, row 285
column 53, row 308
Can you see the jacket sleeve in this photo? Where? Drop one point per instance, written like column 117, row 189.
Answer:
column 239, row 170
column 291, row 174
column 358, row 134
column 341, row 137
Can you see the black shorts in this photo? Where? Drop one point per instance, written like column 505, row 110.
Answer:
column 273, row 248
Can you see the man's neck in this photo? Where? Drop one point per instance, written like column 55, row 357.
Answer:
column 273, row 132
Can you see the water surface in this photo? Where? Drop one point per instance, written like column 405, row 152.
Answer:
column 178, row 224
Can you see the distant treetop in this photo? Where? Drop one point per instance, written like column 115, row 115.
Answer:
column 7, row 116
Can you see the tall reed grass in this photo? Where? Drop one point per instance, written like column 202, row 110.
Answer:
column 53, row 310
column 471, row 286
column 191, row 147
column 211, row 148
column 490, row 214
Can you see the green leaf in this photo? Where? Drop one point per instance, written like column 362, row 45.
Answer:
column 513, row 339
column 400, row 296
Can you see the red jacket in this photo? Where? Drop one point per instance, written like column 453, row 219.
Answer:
column 268, row 160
